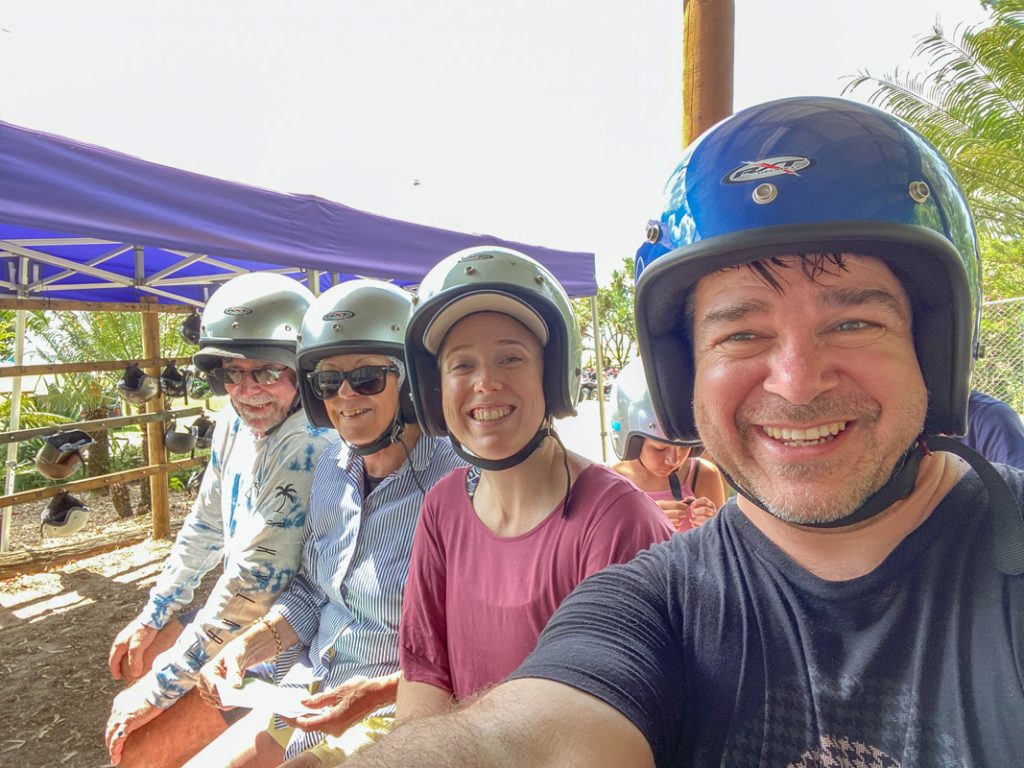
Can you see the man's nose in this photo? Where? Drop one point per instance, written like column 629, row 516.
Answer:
column 799, row 370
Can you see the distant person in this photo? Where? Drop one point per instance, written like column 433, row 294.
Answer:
column 494, row 349
column 688, row 489
column 805, row 303
column 249, row 518
column 343, row 607
column 994, row 430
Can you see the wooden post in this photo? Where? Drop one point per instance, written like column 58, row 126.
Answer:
column 708, row 51
column 599, row 362
column 155, row 449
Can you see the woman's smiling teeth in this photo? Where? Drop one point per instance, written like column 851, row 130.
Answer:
column 350, row 412
column 804, row 437
column 491, row 414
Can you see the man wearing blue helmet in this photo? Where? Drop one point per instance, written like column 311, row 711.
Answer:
column 808, row 303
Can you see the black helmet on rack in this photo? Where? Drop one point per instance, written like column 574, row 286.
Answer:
column 63, row 516
column 190, row 327
column 175, row 383
column 137, row 386
column 60, row 456
column 179, row 442
column 203, row 428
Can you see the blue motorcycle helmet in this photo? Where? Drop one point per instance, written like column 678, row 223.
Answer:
column 813, row 175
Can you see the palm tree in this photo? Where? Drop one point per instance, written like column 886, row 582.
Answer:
column 970, row 105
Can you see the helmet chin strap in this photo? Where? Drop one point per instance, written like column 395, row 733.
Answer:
column 898, row 486
column 389, row 436
column 496, row 465
column 295, row 407
column 1008, row 520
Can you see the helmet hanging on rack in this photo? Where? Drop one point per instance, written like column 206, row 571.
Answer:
column 175, row 383
column 177, row 441
column 63, row 516
column 203, row 428
column 190, row 327
column 137, row 386
column 60, row 455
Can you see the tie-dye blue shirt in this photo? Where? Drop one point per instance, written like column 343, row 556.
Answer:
column 250, row 516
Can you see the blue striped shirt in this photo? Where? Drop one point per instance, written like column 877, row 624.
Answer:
column 346, row 600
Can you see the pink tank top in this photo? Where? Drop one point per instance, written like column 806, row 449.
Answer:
column 685, row 491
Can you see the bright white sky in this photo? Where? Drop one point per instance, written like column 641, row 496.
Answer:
column 552, row 122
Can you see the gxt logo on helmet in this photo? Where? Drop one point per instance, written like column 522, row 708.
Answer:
column 339, row 314
column 476, row 257
column 237, row 311
column 787, row 165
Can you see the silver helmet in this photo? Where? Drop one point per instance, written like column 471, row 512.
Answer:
column 253, row 316
column 356, row 316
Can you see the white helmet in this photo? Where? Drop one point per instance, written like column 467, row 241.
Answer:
column 632, row 417
column 368, row 316
column 253, row 316
column 63, row 516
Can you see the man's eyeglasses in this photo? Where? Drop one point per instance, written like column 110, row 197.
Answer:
column 265, row 377
column 365, row 380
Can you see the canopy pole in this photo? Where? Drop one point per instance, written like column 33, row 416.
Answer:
column 709, row 40
column 12, row 448
column 599, row 361
column 156, row 451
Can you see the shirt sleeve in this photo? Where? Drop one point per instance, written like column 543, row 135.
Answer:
column 265, row 556
column 302, row 600
column 999, row 434
column 423, row 647
column 630, row 524
column 196, row 550
column 613, row 638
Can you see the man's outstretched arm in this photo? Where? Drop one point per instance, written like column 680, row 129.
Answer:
column 529, row 722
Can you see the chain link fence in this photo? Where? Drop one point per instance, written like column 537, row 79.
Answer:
column 1000, row 371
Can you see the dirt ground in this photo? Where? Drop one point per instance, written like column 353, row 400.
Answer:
column 56, row 627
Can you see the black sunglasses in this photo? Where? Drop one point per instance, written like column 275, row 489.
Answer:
column 365, row 380
column 265, row 377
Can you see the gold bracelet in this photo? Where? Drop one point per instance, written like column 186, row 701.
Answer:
column 273, row 630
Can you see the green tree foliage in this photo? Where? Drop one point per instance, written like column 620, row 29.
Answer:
column 6, row 335
column 615, row 310
column 970, row 105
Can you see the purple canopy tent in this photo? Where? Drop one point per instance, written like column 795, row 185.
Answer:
column 83, row 223
column 97, row 225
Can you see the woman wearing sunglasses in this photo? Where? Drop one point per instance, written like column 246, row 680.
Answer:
column 494, row 352
column 344, row 605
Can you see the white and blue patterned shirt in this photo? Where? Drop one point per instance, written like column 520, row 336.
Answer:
column 250, row 514
column 346, row 600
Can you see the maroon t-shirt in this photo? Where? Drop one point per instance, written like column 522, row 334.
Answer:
column 475, row 602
